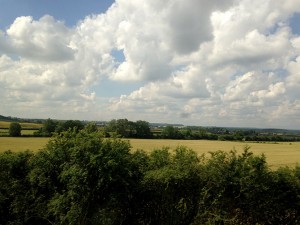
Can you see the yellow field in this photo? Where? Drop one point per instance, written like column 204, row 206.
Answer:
column 18, row 144
column 278, row 154
column 5, row 125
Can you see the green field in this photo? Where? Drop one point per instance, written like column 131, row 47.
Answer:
column 27, row 128
column 5, row 132
column 278, row 154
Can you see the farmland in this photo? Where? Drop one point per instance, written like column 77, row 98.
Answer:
column 18, row 144
column 24, row 125
column 242, row 184
column 278, row 154
column 27, row 128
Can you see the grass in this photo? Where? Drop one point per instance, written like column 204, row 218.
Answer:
column 28, row 132
column 278, row 154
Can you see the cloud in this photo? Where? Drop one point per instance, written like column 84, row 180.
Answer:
column 243, row 67
column 231, row 63
column 42, row 40
column 189, row 24
column 151, row 33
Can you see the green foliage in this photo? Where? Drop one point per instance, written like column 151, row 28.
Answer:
column 230, row 179
column 72, row 124
column 87, row 175
column 120, row 126
column 82, row 178
column 142, row 129
column 171, row 132
column 169, row 190
column 69, row 125
column 15, row 187
column 91, row 127
column 240, row 189
column 126, row 128
column 15, row 129
column 49, row 126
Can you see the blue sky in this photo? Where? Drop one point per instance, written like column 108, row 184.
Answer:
column 66, row 10
column 196, row 62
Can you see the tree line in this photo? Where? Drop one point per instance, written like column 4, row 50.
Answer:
column 125, row 128
column 122, row 128
column 48, row 129
column 80, row 177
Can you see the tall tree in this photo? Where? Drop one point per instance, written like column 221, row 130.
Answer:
column 121, row 127
column 49, row 126
column 142, row 129
column 71, row 124
column 171, row 132
column 15, row 129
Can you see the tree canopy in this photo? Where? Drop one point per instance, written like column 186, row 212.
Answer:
column 126, row 128
column 82, row 178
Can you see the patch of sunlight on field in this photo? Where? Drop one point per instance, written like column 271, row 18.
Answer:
column 28, row 132
column 18, row 144
column 3, row 131
column 277, row 154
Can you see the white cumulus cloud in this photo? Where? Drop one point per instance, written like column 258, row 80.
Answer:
column 233, row 63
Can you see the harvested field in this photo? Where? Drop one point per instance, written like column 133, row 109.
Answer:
column 18, row 144
column 278, row 154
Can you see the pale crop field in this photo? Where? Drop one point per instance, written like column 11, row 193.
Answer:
column 18, row 144
column 278, row 154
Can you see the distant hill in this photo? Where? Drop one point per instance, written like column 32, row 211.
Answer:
column 266, row 130
column 7, row 119
column 166, row 124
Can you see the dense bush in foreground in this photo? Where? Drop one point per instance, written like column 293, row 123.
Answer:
column 81, row 178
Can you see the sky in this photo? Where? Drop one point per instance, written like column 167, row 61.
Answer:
column 197, row 62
